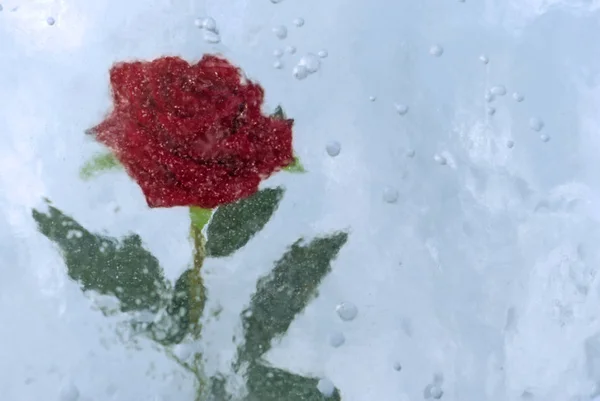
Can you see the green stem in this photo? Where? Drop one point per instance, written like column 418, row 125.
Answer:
column 196, row 289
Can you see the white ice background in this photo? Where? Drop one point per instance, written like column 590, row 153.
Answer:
column 482, row 274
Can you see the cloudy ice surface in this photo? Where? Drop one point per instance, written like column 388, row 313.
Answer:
column 483, row 271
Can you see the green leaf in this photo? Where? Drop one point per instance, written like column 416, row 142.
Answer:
column 279, row 113
column 233, row 225
column 104, row 264
column 286, row 291
column 272, row 384
column 99, row 163
column 200, row 216
column 218, row 391
column 295, row 167
column 183, row 302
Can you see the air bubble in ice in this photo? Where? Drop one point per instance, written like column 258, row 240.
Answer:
column 372, row 98
column 182, row 351
column 211, row 37
column 333, row 148
column 484, row 59
column 536, row 124
column 410, row 153
column 544, row 138
column 50, row 21
column 337, row 339
column 300, row 72
column 278, row 52
column 439, row 159
column 278, row 64
column 69, row 392
column 491, row 111
column 401, row 109
column 433, row 391
column 499, row 90
column 209, row 24
column 390, row 195
column 280, row 31
column 298, row 21
column 347, row 311
column 518, row 97
column 489, row 97
column 311, row 62
column 397, row 366
column 326, row 387
column 436, row 50
column 510, row 144
column 291, row 49
column 323, row 53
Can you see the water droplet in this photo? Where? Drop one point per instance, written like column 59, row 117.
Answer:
column 210, row 24
column 211, row 37
column 278, row 52
column 337, row 339
column 410, row 153
column 69, row 392
column 326, row 387
column 536, row 124
column 347, row 311
column 299, row 21
column 50, row 21
column 518, row 97
column 401, row 109
column 390, row 195
column 499, row 90
column 278, row 64
column 491, row 111
column 489, row 97
column 397, row 366
column 372, row 98
column 484, row 59
column 311, row 62
column 333, row 148
column 291, row 49
column 433, row 391
column 280, row 31
column 544, row 138
column 300, row 72
column 436, row 50
column 510, row 144
column 323, row 53
column 439, row 159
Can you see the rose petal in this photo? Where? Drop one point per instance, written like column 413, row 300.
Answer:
column 129, row 82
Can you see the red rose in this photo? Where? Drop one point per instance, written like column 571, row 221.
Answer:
column 192, row 134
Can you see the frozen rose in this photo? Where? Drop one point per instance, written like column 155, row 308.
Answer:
column 192, row 134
